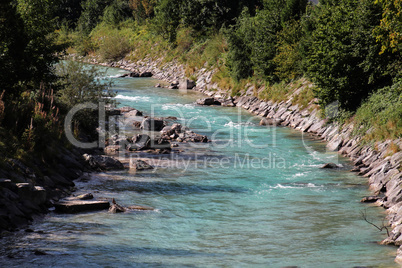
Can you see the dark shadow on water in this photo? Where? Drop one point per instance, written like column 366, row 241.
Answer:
column 170, row 188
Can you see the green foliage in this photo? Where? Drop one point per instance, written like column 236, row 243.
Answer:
column 239, row 56
column 253, row 41
column 389, row 32
column 81, row 83
column 379, row 118
column 288, row 58
column 142, row 9
column 167, row 19
column 13, row 41
column 92, row 12
column 341, row 55
column 276, row 92
column 113, row 46
column 27, row 49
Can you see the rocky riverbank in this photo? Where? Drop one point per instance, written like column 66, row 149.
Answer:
column 28, row 190
column 379, row 162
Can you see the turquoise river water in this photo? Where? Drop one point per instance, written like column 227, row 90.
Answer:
column 253, row 197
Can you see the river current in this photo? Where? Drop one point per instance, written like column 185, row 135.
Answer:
column 252, row 197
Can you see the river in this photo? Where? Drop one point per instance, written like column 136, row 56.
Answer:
column 253, row 197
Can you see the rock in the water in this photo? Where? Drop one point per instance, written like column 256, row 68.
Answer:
column 229, row 102
column 139, row 165
column 270, row 122
column 140, row 142
column 369, row 199
column 152, row 124
column 170, row 130
column 116, row 208
column 87, row 196
column 133, row 113
column 126, row 109
column 330, row 165
column 134, row 74
column 187, row 84
column 101, row 162
column 75, row 206
column 146, row 74
column 208, row 101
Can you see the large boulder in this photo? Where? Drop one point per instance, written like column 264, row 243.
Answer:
column 101, row 162
column 151, row 124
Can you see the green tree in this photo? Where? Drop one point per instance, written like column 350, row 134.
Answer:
column 389, row 32
column 167, row 19
column 92, row 12
column 13, row 41
column 341, row 55
column 81, row 83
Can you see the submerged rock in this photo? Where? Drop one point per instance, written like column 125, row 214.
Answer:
column 330, row 165
column 116, row 208
column 208, row 101
column 139, row 164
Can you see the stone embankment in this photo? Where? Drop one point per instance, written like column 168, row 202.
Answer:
column 380, row 163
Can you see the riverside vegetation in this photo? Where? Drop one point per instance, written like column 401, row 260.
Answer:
column 340, row 54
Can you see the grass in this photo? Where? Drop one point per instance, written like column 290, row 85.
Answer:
column 380, row 117
column 276, row 92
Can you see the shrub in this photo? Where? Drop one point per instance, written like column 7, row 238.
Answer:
column 380, row 117
column 113, row 47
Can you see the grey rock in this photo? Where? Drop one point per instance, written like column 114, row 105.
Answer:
column 151, row 124
column 270, row 122
column 187, row 84
column 101, row 162
column 139, row 165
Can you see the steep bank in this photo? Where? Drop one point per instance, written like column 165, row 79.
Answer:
column 379, row 162
column 29, row 188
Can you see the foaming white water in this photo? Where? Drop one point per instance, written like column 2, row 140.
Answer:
column 173, row 106
column 132, row 98
column 295, row 186
column 238, row 125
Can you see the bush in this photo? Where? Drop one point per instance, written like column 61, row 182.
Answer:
column 114, row 47
column 81, row 83
column 380, row 117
